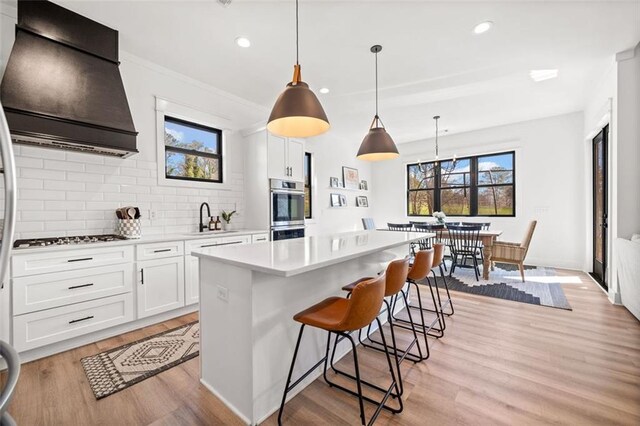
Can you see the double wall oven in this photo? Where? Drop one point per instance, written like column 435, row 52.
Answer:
column 287, row 209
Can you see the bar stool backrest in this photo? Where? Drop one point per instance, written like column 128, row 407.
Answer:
column 421, row 265
column 464, row 239
column 364, row 304
column 438, row 254
column 399, row 226
column 397, row 272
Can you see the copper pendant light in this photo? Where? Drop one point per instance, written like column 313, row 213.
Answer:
column 297, row 112
column 377, row 145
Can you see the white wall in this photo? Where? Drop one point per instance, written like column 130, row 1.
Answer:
column 66, row 193
column 549, row 183
column 628, row 170
column 329, row 155
column 614, row 99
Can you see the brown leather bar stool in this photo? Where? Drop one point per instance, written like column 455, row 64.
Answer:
column 343, row 316
column 396, row 277
column 420, row 270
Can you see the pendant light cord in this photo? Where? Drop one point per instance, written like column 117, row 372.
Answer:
column 297, row 42
column 436, row 138
column 376, row 84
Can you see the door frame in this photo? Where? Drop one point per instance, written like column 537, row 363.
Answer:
column 601, row 280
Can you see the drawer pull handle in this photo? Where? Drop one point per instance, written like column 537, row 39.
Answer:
column 141, row 275
column 80, row 260
column 81, row 319
column 209, row 245
column 229, row 243
column 80, row 286
column 162, row 250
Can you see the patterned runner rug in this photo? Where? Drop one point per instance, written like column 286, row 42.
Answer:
column 111, row 371
column 541, row 286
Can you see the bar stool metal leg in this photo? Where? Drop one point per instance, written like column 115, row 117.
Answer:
column 387, row 392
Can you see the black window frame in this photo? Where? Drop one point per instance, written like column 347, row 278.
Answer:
column 473, row 187
column 308, row 159
column 219, row 156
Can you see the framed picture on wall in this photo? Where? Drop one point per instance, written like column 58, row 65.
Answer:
column 350, row 178
column 364, row 186
column 334, row 182
column 335, row 200
column 362, row 201
column 343, row 200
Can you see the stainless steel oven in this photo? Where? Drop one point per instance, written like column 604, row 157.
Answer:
column 287, row 203
column 287, row 232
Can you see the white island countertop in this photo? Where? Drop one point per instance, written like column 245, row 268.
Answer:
column 295, row 256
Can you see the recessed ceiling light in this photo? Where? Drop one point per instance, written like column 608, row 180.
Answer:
column 541, row 75
column 243, row 42
column 483, row 27
column 324, row 90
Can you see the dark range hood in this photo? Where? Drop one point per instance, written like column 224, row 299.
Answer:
column 62, row 87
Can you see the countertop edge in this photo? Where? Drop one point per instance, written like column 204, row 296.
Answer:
column 302, row 270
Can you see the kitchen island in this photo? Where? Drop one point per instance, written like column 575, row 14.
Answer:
column 248, row 296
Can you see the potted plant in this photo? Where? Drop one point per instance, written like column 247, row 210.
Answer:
column 226, row 219
column 440, row 217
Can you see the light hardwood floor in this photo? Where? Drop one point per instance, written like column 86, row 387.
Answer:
column 500, row 362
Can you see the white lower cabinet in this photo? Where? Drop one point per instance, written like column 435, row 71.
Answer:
column 192, row 280
column 54, row 325
column 192, row 265
column 160, row 285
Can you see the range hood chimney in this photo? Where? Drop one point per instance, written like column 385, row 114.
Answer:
column 62, row 87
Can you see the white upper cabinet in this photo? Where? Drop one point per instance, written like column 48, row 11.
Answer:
column 296, row 160
column 285, row 158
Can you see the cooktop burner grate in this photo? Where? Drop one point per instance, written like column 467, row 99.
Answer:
column 64, row 241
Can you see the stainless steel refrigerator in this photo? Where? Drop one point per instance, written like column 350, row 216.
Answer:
column 7, row 352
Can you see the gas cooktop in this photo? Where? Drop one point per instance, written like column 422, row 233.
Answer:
column 65, row 241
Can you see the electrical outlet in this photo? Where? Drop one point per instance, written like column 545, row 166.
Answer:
column 223, row 293
column 153, row 214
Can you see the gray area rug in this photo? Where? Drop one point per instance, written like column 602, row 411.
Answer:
column 541, row 286
column 117, row 369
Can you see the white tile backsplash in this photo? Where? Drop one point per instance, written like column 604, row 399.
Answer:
column 69, row 193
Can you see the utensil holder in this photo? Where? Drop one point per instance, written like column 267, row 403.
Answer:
column 129, row 228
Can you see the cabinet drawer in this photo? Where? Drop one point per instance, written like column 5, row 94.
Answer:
column 45, row 291
column 203, row 243
column 54, row 325
column 68, row 260
column 256, row 238
column 159, row 250
column 241, row 239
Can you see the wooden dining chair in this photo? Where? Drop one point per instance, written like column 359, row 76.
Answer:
column 514, row 253
column 400, row 227
column 464, row 242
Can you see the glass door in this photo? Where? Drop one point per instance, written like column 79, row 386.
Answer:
column 600, row 211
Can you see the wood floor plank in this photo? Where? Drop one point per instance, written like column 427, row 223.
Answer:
column 500, row 362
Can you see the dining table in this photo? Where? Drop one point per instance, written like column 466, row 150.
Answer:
column 487, row 236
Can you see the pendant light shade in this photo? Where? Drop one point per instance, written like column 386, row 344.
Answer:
column 297, row 112
column 377, row 145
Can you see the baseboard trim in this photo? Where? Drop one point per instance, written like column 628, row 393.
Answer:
column 229, row 405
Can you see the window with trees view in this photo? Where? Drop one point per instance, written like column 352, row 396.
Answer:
column 192, row 151
column 307, row 185
column 472, row 186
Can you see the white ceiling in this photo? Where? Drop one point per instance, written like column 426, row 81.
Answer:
column 431, row 62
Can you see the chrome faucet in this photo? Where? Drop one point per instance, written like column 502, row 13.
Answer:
column 202, row 225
